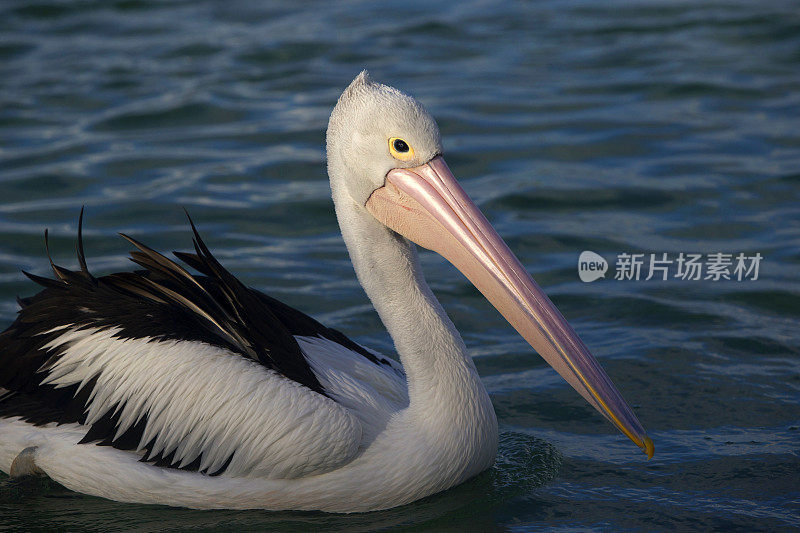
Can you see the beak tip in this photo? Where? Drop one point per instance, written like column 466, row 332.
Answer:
column 649, row 447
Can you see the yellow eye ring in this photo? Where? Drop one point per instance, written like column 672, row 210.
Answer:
column 400, row 149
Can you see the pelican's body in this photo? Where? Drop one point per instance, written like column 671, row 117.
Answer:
column 160, row 386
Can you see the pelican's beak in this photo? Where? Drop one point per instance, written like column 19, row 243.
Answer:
column 427, row 205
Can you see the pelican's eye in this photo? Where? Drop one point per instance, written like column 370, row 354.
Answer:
column 400, row 149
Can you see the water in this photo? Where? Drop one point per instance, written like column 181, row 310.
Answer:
column 652, row 127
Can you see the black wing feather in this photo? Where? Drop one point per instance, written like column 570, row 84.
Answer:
column 163, row 301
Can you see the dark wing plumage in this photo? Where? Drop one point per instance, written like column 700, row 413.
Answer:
column 163, row 301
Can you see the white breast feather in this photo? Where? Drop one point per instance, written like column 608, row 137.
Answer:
column 371, row 392
column 201, row 399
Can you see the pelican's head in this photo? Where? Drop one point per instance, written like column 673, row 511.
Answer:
column 385, row 149
column 374, row 129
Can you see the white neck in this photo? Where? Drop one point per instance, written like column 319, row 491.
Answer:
column 443, row 383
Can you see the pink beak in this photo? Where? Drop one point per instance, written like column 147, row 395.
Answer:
column 426, row 205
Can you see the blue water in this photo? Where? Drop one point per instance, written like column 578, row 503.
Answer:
column 617, row 127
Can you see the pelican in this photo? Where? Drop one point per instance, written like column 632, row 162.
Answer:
column 161, row 386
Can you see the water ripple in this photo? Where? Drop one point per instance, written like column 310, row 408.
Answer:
column 644, row 127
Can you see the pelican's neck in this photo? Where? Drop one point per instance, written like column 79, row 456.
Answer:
column 430, row 348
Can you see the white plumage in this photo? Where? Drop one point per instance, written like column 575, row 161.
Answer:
column 352, row 431
column 200, row 398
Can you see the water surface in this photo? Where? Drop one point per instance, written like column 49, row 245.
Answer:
column 644, row 127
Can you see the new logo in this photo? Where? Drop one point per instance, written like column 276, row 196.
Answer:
column 591, row 266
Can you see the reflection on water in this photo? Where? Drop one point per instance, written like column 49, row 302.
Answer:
column 646, row 127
